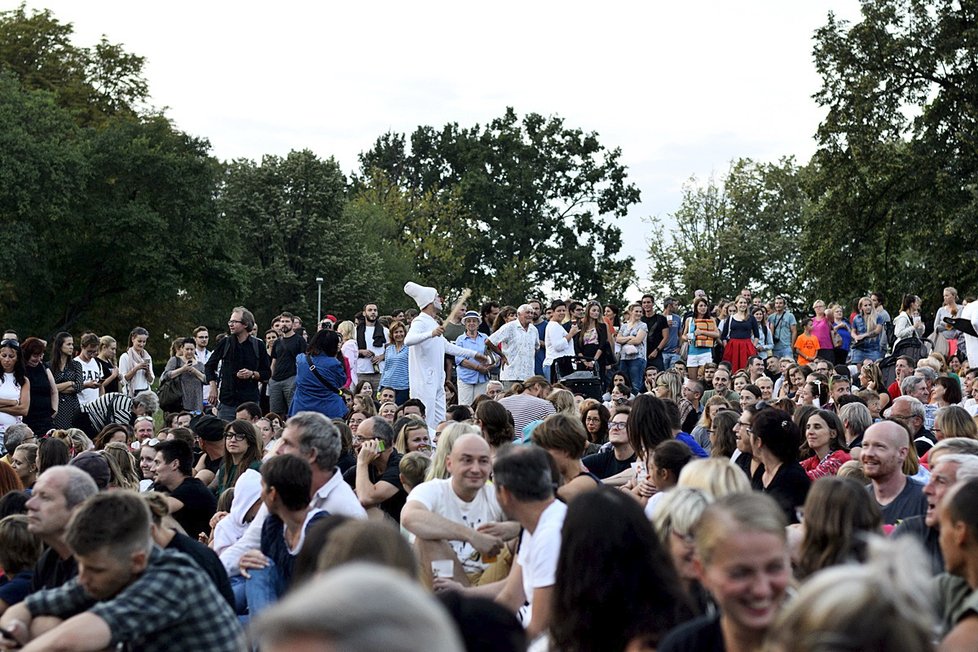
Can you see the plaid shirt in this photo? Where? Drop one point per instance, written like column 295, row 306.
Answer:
column 173, row 605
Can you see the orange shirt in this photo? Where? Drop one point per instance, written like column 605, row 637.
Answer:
column 806, row 345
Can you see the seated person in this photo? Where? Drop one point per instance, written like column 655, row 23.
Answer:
column 459, row 518
column 121, row 576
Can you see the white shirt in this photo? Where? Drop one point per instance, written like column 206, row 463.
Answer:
column 366, row 365
column 520, row 347
column 202, row 358
column 539, row 553
column 439, row 498
column 10, row 390
column 90, row 371
column 558, row 346
column 335, row 497
column 970, row 312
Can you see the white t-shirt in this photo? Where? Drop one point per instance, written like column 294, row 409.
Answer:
column 439, row 497
column 539, row 553
column 366, row 365
column 91, row 370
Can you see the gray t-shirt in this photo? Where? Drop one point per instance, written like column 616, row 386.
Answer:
column 628, row 330
column 909, row 502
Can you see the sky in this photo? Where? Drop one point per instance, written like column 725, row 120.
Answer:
column 682, row 88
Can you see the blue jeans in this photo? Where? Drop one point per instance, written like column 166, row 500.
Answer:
column 669, row 359
column 635, row 370
column 226, row 412
column 782, row 351
column 858, row 355
column 264, row 588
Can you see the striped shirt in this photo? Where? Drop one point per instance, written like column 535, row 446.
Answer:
column 109, row 408
column 526, row 408
column 395, row 373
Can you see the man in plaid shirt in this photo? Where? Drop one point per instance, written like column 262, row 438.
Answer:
column 127, row 591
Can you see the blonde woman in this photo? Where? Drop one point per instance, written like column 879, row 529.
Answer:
column 349, row 349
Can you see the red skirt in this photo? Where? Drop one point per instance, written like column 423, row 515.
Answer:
column 736, row 353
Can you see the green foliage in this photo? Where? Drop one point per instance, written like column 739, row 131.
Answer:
column 93, row 83
column 508, row 208
column 894, row 181
column 739, row 232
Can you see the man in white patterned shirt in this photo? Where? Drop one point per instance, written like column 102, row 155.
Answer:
column 519, row 341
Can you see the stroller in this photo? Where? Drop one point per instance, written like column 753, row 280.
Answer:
column 912, row 347
column 586, row 382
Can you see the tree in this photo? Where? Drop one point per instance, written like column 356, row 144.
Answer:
column 894, row 180
column 520, row 204
column 296, row 224
column 739, row 232
column 93, row 83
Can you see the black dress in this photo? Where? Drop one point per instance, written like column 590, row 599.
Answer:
column 39, row 413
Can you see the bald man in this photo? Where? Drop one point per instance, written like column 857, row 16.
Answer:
column 459, row 518
column 885, row 447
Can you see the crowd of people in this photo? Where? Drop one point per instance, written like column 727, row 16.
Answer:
column 570, row 476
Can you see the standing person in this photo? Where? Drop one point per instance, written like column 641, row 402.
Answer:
column 519, row 340
column 822, row 330
column 15, row 390
column 737, row 332
column 670, row 347
column 319, row 377
column 473, row 376
column 68, row 379
column 784, row 328
column 396, row 357
column 91, row 369
column 186, row 370
column 743, row 562
column 427, row 349
column 841, row 335
column 136, row 365
column 44, row 391
column 284, row 352
column 244, row 363
column 658, row 333
column 107, row 361
column 950, row 308
column 633, row 337
column 701, row 333
column 765, row 341
column 877, row 299
column 201, row 339
column 908, row 323
column 559, row 342
column 867, row 326
column 371, row 338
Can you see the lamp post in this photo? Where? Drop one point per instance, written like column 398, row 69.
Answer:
column 319, row 301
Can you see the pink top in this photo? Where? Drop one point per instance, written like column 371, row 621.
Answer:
column 822, row 330
column 829, row 465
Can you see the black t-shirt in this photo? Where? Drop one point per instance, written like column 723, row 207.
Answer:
column 107, row 369
column 701, row 634
column 51, row 571
column 199, row 505
column 928, row 536
column 604, row 465
column 789, row 487
column 284, row 352
column 655, row 323
column 208, row 561
column 392, row 474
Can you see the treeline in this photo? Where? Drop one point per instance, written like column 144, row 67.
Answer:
column 890, row 199
column 114, row 217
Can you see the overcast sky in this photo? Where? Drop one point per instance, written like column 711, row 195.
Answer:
column 681, row 87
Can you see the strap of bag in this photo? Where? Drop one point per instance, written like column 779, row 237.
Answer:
column 318, row 375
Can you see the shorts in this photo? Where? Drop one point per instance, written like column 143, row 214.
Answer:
column 699, row 359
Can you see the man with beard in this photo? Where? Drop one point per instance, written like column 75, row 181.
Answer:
column 885, row 447
column 284, row 351
column 372, row 337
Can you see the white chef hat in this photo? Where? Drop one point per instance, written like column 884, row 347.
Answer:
column 422, row 295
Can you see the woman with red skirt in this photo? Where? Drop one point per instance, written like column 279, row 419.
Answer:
column 738, row 329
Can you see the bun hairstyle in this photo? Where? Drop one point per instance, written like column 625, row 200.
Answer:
column 778, row 433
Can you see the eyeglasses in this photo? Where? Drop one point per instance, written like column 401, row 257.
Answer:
column 237, row 436
column 593, row 420
column 232, row 322
column 616, row 425
column 357, row 439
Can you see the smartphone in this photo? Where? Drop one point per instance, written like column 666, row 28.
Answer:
column 380, row 446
